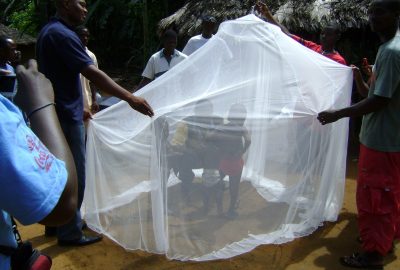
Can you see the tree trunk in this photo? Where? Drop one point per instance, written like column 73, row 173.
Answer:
column 166, row 11
column 7, row 9
column 146, row 41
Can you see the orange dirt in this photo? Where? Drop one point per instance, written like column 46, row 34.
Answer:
column 321, row 250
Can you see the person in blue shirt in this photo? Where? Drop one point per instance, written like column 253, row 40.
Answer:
column 8, row 54
column 62, row 58
column 38, row 179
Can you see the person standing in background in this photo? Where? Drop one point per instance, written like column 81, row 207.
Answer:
column 208, row 26
column 163, row 60
column 330, row 34
column 8, row 55
column 89, row 92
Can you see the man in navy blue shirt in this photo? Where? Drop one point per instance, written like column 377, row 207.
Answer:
column 61, row 57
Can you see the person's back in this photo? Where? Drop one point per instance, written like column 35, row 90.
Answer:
column 200, row 130
column 233, row 143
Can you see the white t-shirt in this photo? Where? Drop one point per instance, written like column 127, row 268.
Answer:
column 158, row 64
column 86, row 91
column 194, row 44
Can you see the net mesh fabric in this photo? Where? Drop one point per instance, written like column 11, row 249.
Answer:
column 234, row 156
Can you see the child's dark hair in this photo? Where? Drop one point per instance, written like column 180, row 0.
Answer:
column 237, row 111
column 333, row 26
column 4, row 41
column 80, row 29
column 169, row 34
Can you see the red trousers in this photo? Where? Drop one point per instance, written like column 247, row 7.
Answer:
column 378, row 199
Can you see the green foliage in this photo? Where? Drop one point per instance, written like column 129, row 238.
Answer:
column 25, row 19
column 28, row 16
column 113, row 27
column 119, row 31
column 124, row 32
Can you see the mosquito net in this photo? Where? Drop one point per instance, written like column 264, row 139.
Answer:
column 234, row 156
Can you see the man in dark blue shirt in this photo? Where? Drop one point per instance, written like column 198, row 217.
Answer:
column 61, row 57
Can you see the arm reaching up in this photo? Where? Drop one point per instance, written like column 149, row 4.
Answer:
column 264, row 10
column 36, row 98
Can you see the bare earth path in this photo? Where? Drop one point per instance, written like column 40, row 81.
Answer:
column 321, row 250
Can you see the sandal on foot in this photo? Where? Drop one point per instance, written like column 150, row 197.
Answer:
column 361, row 261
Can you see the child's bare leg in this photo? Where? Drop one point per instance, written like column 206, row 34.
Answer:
column 219, row 195
column 234, row 181
column 206, row 199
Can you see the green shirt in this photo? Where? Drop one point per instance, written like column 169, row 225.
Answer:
column 381, row 130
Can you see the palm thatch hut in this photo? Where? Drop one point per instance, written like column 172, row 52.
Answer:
column 311, row 16
column 19, row 38
column 187, row 20
column 307, row 18
column 303, row 17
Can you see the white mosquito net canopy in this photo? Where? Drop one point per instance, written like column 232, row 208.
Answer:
column 234, row 156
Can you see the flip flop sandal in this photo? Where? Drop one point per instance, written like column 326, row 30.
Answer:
column 357, row 260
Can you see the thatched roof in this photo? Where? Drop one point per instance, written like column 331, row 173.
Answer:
column 311, row 16
column 187, row 20
column 19, row 38
column 304, row 15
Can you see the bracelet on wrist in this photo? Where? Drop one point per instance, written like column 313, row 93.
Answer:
column 38, row 109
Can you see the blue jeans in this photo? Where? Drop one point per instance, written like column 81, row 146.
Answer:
column 75, row 135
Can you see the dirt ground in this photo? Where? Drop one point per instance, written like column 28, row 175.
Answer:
column 321, row 250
